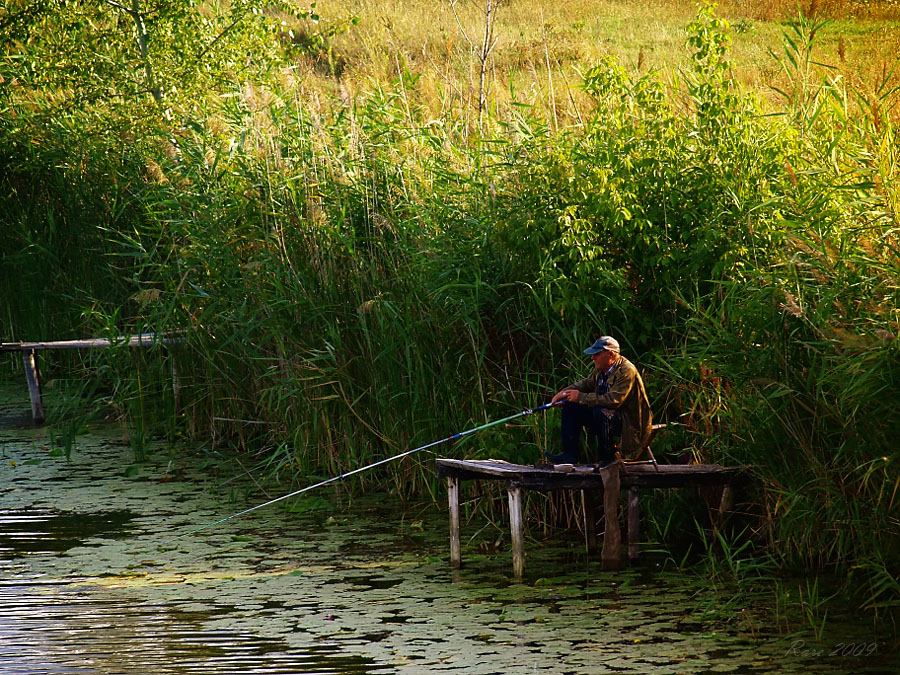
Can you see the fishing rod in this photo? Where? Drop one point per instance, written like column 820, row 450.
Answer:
column 333, row 479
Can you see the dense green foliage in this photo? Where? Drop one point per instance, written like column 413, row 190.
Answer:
column 369, row 278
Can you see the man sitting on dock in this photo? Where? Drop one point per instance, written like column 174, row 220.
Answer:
column 610, row 401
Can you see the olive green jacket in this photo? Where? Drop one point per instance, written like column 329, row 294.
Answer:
column 627, row 395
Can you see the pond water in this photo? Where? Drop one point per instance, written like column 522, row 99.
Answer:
column 96, row 577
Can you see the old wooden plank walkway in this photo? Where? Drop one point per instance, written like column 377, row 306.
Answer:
column 608, row 482
column 29, row 352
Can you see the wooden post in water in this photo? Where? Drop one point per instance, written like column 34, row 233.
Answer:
column 517, row 530
column 611, row 554
column 590, row 520
column 32, row 375
column 726, row 501
column 634, row 523
column 176, row 384
column 453, row 494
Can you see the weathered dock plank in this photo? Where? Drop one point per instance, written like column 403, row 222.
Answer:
column 545, row 478
column 141, row 340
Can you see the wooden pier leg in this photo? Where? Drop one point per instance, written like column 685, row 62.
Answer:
column 34, row 385
column 634, row 523
column 176, row 384
column 726, row 501
column 453, row 495
column 517, row 530
column 590, row 520
column 611, row 554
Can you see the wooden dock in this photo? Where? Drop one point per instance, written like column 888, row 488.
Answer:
column 608, row 482
column 29, row 352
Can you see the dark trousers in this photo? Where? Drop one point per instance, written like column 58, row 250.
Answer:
column 594, row 421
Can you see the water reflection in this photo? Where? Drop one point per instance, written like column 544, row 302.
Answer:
column 45, row 530
column 61, row 627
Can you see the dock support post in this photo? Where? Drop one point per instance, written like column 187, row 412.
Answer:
column 516, row 527
column 634, row 523
column 590, row 520
column 32, row 374
column 726, row 501
column 611, row 554
column 453, row 495
column 176, row 384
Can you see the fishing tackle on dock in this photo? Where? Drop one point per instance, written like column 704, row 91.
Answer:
column 380, row 462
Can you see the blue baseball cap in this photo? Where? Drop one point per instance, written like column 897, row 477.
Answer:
column 606, row 343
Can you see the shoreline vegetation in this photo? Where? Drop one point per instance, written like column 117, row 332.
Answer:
column 379, row 223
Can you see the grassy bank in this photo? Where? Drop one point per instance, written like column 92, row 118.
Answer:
column 371, row 236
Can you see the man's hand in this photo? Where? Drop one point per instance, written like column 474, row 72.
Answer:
column 569, row 395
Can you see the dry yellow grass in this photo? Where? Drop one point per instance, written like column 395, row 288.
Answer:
column 541, row 47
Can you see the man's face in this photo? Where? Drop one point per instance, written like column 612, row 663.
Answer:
column 603, row 360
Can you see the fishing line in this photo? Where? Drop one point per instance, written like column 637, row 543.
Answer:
column 380, row 462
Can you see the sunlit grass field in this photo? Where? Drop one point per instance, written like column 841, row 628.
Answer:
column 538, row 49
